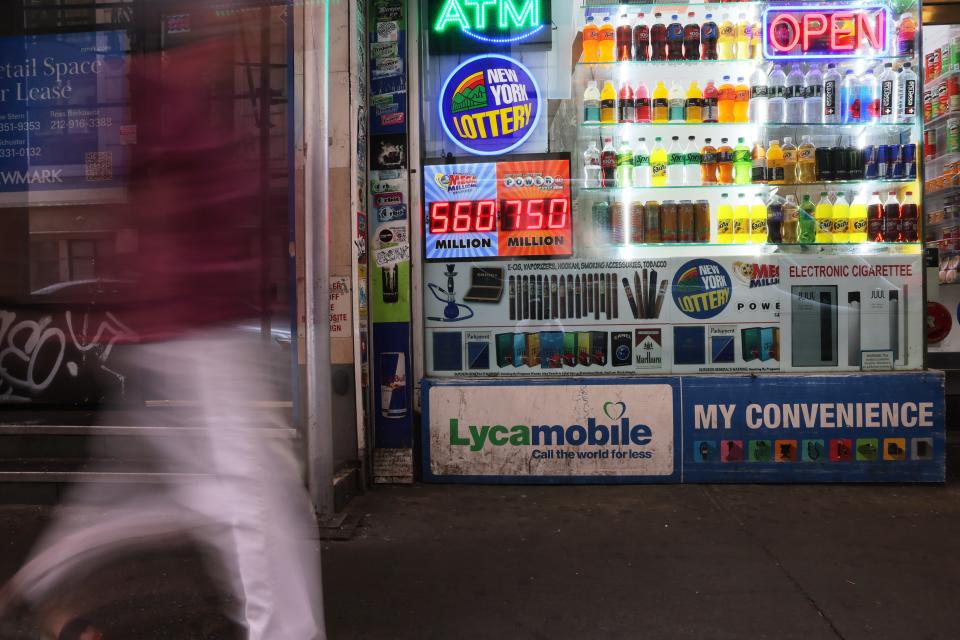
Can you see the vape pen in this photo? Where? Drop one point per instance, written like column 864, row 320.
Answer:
column 525, row 298
column 616, row 295
column 554, row 300
column 563, row 298
column 853, row 329
column 602, row 296
column 596, row 297
column 610, row 283
column 826, row 335
column 570, row 296
column 589, row 294
column 895, row 323
column 579, row 297
column 513, row 302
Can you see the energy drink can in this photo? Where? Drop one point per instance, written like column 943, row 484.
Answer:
column 882, row 160
column 870, row 165
column 893, row 157
column 908, row 155
column 393, row 384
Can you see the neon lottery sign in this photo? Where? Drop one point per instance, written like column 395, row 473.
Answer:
column 825, row 32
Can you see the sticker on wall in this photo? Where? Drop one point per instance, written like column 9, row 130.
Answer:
column 489, row 105
column 701, row 289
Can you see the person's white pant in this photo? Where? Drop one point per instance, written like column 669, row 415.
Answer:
column 247, row 504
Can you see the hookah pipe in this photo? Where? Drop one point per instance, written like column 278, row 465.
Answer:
column 451, row 312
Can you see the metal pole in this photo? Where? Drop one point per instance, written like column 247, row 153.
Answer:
column 318, row 412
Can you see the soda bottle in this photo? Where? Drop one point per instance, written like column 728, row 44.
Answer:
column 869, row 97
column 907, row 94
column 791, row 219
column 726, row 98
column 888, row 94
column 807, row 227
column 658, row 164
column 592, row 178
column 626, row 109
column 675, row 39
column 660, row 103
column 658, row 38
column 908, row 219
column 758, row 221
column 608, row 103
column 789, row 161
column 641, row 102
column 591, row 102
column 694, row 107
column 742, row 164
column 756, row 43
column 711, row 103
column 641, row 38
column 741, row 221
column 832, row 82
column 757, row 112
column 806, row 161
column 691, row 163
column 824, row 217
column 776, row 94
column 850, row 98
column 758, row 164
column 624, row 164
column 607, row 41
column 708, row 163
column 741, row 101
column 708, row 37
column 727, row 40
column 775, row 220
column 775, row 172
column 591, row 41
column 641, row 165
column 874, row 218
column 794, row 94
column 608, row 163
column 677, row 103
column 624, row 39
column 906, row 35
column 675, row 161
column 858, row 225
column 724, row 162
column 743, row 37
column 813, row 95
column 891, row 218
column 841, row 219
column 724, row 220
column 691, row 38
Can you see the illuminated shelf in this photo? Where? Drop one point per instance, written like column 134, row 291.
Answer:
column 770, row 125
column 767, row 245
column 608, row 125
column 707, row 6
column 841, row 125
column 753, row 61
column 763, row 185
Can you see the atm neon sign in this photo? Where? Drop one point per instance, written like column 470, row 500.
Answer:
column 825, row 32
column 492, row 21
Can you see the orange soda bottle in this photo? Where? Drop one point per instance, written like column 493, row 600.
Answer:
column 726, row 100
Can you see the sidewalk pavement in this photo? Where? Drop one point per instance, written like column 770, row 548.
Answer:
column 638, row 562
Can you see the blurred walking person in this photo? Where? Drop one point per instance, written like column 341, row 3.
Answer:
column 195, row 213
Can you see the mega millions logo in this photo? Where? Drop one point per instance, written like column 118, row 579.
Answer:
column 757, row 275
column 489, row 105
column 455, row 182
column 701, row 289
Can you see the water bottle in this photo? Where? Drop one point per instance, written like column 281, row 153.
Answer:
column 831, row 94
column 869, row 97
column 907, row 94
column 851, row 107
column 888, row 94
column 758, row 96
column 777, row 103
column 795, row 95
column 813, row 96
column 591, row 167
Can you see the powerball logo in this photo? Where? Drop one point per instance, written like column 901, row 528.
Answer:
column 455, row 182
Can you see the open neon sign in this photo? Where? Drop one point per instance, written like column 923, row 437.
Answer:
column 825, row 32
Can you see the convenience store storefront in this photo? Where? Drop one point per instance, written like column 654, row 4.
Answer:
column 578, row 275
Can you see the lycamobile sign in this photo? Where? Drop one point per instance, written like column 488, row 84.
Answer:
column 550, row 431
column 593, row 433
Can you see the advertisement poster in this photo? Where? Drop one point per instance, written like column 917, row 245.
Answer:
column 63, row 101
column 563, row 431
column 774, row 428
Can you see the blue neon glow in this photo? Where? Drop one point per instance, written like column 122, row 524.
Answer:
column 532, row 127
column 510, row 40
column 824, row 56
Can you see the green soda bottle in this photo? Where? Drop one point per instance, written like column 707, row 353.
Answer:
column 742, row 163
column 807, row 233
